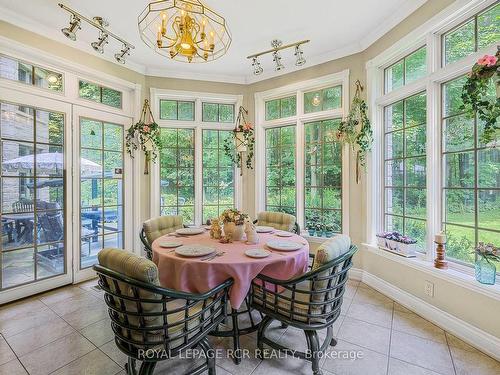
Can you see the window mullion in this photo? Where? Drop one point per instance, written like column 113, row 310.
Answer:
column 300, row 171
column 198, row 175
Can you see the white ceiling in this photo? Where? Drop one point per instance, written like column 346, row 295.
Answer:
column 336, row 28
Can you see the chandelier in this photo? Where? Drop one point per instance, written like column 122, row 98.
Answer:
column 184, row 30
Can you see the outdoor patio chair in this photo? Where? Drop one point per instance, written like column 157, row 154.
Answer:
column 157, row 227
column 278, row 220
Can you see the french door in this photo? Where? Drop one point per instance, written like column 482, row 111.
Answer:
column 103, row 198
column 35, row 187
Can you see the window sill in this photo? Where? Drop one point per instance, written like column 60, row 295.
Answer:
column 451, row 275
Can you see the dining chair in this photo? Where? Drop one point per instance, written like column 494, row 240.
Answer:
column 278, row 220
column 152, row 323
column 157, row 227
column 310, row 302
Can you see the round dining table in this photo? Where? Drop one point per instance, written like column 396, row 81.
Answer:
column 199, row 274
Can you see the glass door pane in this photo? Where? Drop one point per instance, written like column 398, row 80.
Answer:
column 32, row 192
column 101, row 188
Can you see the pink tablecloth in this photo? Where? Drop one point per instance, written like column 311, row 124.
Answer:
column 198, row 276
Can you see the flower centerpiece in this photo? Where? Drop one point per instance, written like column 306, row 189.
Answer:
column 243, row 141
column 145, row 135
column 477, row 95
column 485, row 269
column 233, row 221
column 397, row 243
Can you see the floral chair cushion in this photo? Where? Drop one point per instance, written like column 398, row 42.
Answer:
column 159, row 226
column 277, row 220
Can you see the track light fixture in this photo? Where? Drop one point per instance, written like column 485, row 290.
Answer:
column 99, row 45
column 74, row 26
column 257, row 69
column 120, row 56
column 300, row 60
column 104, row 34
column 277, row 45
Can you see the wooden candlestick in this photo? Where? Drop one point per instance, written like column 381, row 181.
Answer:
column 440, row 261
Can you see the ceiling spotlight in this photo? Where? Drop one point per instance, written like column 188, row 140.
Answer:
column 120, row 56
column 299, row 55
column 74, row 26
column 277, row 61
column 257, row 69
column 99, row 45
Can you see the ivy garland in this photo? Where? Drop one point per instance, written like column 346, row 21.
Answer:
column 475, row 95
column 242, row 141
column 144, row 135
column 356, row 129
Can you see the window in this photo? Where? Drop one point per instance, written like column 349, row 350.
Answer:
column 471, row 189
column 323, row 174
column 32, row 194
column 479, row 32
column 280, row 169
column 218, row 174
column 437, row 176
column 177, row 173
column 100, row 94
column 176, row 110
column 322, row 100
column 214, row 112
column 17, row 70
column 405, row 168
column 281, row 108
column 406, row 70
column 101, row 188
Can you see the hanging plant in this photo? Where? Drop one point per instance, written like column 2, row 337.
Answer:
column 144, row 135
column 476, row 95
column 242, row 142
column 356, row 130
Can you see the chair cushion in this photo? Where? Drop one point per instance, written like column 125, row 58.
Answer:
column 331, row 249
column 129, row 264
column 159, row 226
column 277, row 220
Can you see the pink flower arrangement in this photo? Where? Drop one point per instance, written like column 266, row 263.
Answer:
column 247, row 126
column 487, row 60
column 145, row 129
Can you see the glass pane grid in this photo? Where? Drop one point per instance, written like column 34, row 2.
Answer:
column 471, row 192
column 32, row 212
column 405, row 175
column 99, row 94
column 101, row 188
column 323, row 196
column 408, row 69
column 280, row 171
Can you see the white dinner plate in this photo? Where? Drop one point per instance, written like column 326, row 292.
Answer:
column 284, row 245
column 283, row 233
column 194, row 250
column 257, row 253
column 190, row 231
column 170, row 244
column 263, row 229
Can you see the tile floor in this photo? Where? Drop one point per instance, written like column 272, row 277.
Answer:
column 67, row 332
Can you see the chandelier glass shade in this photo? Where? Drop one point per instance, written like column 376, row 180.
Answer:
column 184, row 30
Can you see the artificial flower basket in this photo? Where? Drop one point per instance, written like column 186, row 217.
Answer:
column 242, row 142
column 478, row 99
column 396, row 243
column 485, row 257
column 145, row 135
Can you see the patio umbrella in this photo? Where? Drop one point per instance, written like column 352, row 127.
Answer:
column 49, row 161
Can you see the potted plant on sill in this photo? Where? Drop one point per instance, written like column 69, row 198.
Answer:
column 485, row 269
column 329, row 229
column 320, row 227
column 311, row 228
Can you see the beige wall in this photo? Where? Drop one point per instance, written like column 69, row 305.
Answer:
column 474, row 308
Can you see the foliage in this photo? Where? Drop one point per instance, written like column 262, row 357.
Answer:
column 243, row 135
column 488, row 251
column 356, row 129
column 232, row 215
column 475, row 95
column 144, row 134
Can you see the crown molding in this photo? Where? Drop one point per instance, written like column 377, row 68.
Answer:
column 404, row 11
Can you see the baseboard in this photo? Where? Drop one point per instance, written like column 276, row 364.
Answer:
column 472, row 335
